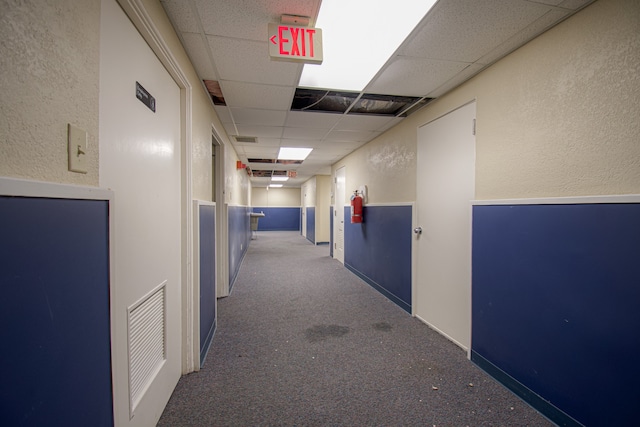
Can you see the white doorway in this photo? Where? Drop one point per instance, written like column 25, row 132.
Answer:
column 218, row 196
column 445, row 186
column 338, row 212
column 140, row 160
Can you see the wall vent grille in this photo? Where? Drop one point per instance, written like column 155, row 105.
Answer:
column 147, row 348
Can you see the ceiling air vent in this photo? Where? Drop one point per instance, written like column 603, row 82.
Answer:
column 246, row 139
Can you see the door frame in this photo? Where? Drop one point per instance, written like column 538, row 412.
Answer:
column 303, row 211
column 141, row 19
column 339, row 206
column 222, row 235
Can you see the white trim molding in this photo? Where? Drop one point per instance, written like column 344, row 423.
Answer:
column 577, row 200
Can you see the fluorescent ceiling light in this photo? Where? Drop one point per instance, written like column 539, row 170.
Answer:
column 275, row 185
column 279, row 178
column 293, row 153
column 358, row 37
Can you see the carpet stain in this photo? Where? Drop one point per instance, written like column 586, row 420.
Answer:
column 382, row 326
column 323, row 332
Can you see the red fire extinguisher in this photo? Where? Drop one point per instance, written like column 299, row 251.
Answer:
column 356, row 208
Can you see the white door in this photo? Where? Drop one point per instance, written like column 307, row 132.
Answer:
column 338, row 223
column 445, row 187
column 140, row 162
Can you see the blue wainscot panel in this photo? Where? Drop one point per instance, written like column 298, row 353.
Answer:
column 379, row 250
column 207, row 278
column 311, row 224
column 54, row 312
column 278, row 219
column 239, row 238
column 556, row 292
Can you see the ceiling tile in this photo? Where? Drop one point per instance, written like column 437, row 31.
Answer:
column 252, row 95
column 261, row 152
column 230, row 128
column 199, row 55
column 354, row 136
column 463, row 31
column 249, row 61
column 391, row 123
column 253, row 116
column 181, row 14
column 305, row 143
column 223, row 113
column 414, row 76
column 321, row 155
column 456, row 80
column 539, row 26
column 575, row 4
column 248, row 19
column 260, row 131
column 268, row 142
column 302, row 133
column 312, row 120
column 567, row 4
column 362, row 122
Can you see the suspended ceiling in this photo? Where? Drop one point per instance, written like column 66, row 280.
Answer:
column 227, row 43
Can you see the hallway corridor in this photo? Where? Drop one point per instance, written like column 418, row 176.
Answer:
column 301, row 341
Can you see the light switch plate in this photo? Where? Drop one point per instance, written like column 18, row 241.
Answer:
column 77, row 149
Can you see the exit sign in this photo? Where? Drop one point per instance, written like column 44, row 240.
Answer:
column 297, row 44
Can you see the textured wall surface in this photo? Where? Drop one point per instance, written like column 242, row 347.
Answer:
column 558, row 117
column 275, row 197
column 237, row 184
column 387, row 166
column 309, row 192
column 48, row 78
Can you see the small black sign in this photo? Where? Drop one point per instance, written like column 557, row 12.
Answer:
column 145, row 97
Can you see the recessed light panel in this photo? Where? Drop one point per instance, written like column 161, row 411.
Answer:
column 358, row 37
column 293, row 153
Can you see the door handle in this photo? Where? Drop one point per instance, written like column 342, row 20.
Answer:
column 418, row 230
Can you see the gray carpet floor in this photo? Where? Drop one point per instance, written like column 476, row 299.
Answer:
column 301, row 341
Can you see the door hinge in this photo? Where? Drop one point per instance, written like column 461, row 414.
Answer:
column 473, row 127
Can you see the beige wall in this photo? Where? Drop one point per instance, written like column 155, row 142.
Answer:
column 237, row 182
column 387, row 166
column 275, row 197
column 558, row 117
column 323, row 201
column 49, row 61
column 308, row 192
column 318, row 194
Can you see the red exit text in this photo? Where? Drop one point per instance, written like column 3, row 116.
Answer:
column 298, row 44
